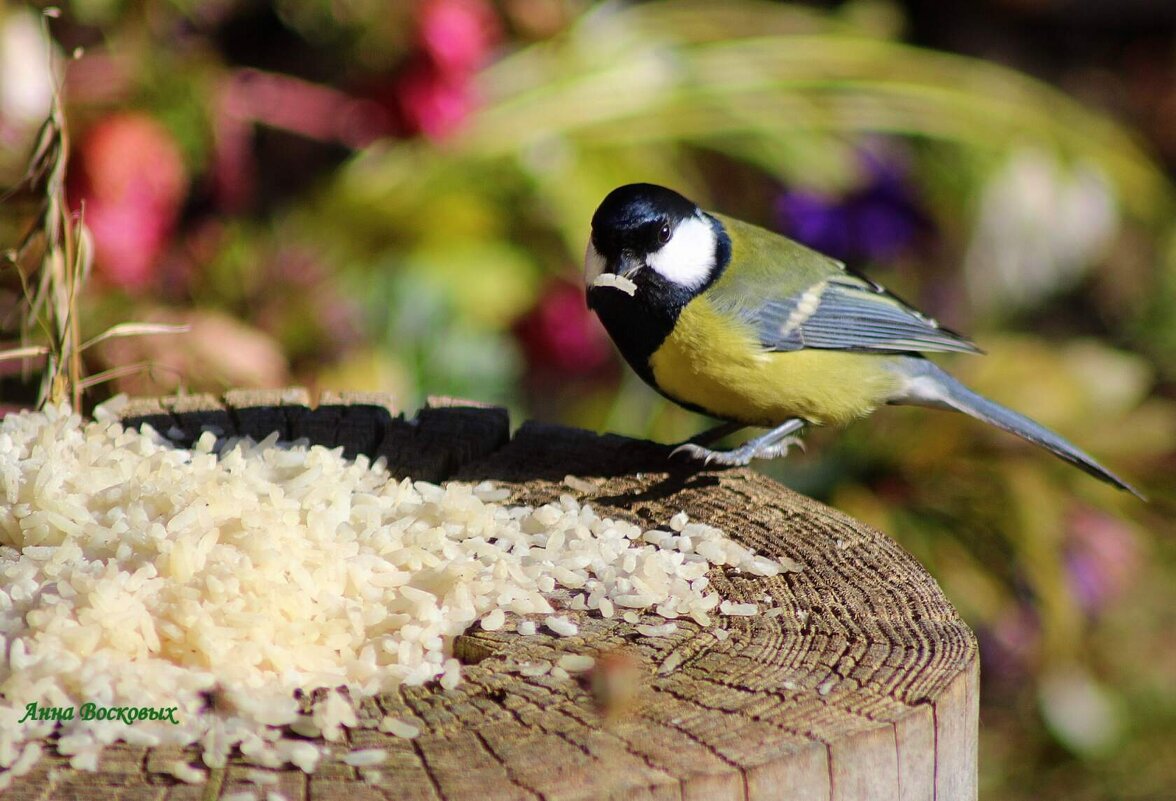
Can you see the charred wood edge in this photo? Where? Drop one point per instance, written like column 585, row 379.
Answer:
column 431, row 446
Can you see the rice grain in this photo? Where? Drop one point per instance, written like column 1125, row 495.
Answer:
column 138, row 574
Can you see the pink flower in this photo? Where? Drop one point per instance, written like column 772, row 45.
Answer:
column 457, row 35
column 131, row 182
column 561, row 334
column 432, row 102
column 435, row 93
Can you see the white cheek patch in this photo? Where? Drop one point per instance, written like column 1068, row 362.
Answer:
column 594, row 264
column 689, row 257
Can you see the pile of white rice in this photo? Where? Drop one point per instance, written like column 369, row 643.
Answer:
column 135, row 574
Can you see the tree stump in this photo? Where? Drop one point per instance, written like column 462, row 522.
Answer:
column 865, row 687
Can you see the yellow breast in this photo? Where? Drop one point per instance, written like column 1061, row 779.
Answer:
column 723, row 369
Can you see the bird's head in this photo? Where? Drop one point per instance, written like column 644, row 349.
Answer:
column 653, row 245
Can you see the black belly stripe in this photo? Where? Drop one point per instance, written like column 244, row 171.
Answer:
column 637, row 331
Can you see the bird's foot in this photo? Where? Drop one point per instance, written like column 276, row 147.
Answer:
column 741, row 456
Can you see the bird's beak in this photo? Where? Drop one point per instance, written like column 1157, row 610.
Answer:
column 629, row 265
column 600, row 273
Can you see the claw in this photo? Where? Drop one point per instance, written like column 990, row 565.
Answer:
column 738, row 457
column 780, row 449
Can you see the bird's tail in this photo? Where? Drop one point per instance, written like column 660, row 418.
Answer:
column 928, row 385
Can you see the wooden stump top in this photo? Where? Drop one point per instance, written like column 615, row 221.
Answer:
column 864, row 688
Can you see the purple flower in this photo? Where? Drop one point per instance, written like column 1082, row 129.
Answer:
column 1102, row 558
column 1010, row 643
column 875, row 222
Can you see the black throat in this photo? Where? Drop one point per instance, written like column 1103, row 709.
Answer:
column 639, row 324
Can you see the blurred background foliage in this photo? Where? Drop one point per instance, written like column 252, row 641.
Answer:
column 355, row 194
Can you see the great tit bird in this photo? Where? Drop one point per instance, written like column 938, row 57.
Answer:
column 747, row 326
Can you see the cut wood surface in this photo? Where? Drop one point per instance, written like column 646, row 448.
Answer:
column 863, row 686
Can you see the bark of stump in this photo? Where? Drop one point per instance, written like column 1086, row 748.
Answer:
column 864, row 688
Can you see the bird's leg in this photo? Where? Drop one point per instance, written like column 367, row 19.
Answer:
column 715, row 433
column 771, row 445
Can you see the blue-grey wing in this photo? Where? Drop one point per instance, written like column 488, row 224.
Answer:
column 847, row 312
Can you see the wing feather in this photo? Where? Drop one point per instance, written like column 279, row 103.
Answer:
column 838, row 309
column 844, row 312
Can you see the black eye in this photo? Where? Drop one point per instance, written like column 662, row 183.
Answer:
column 664, row 233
